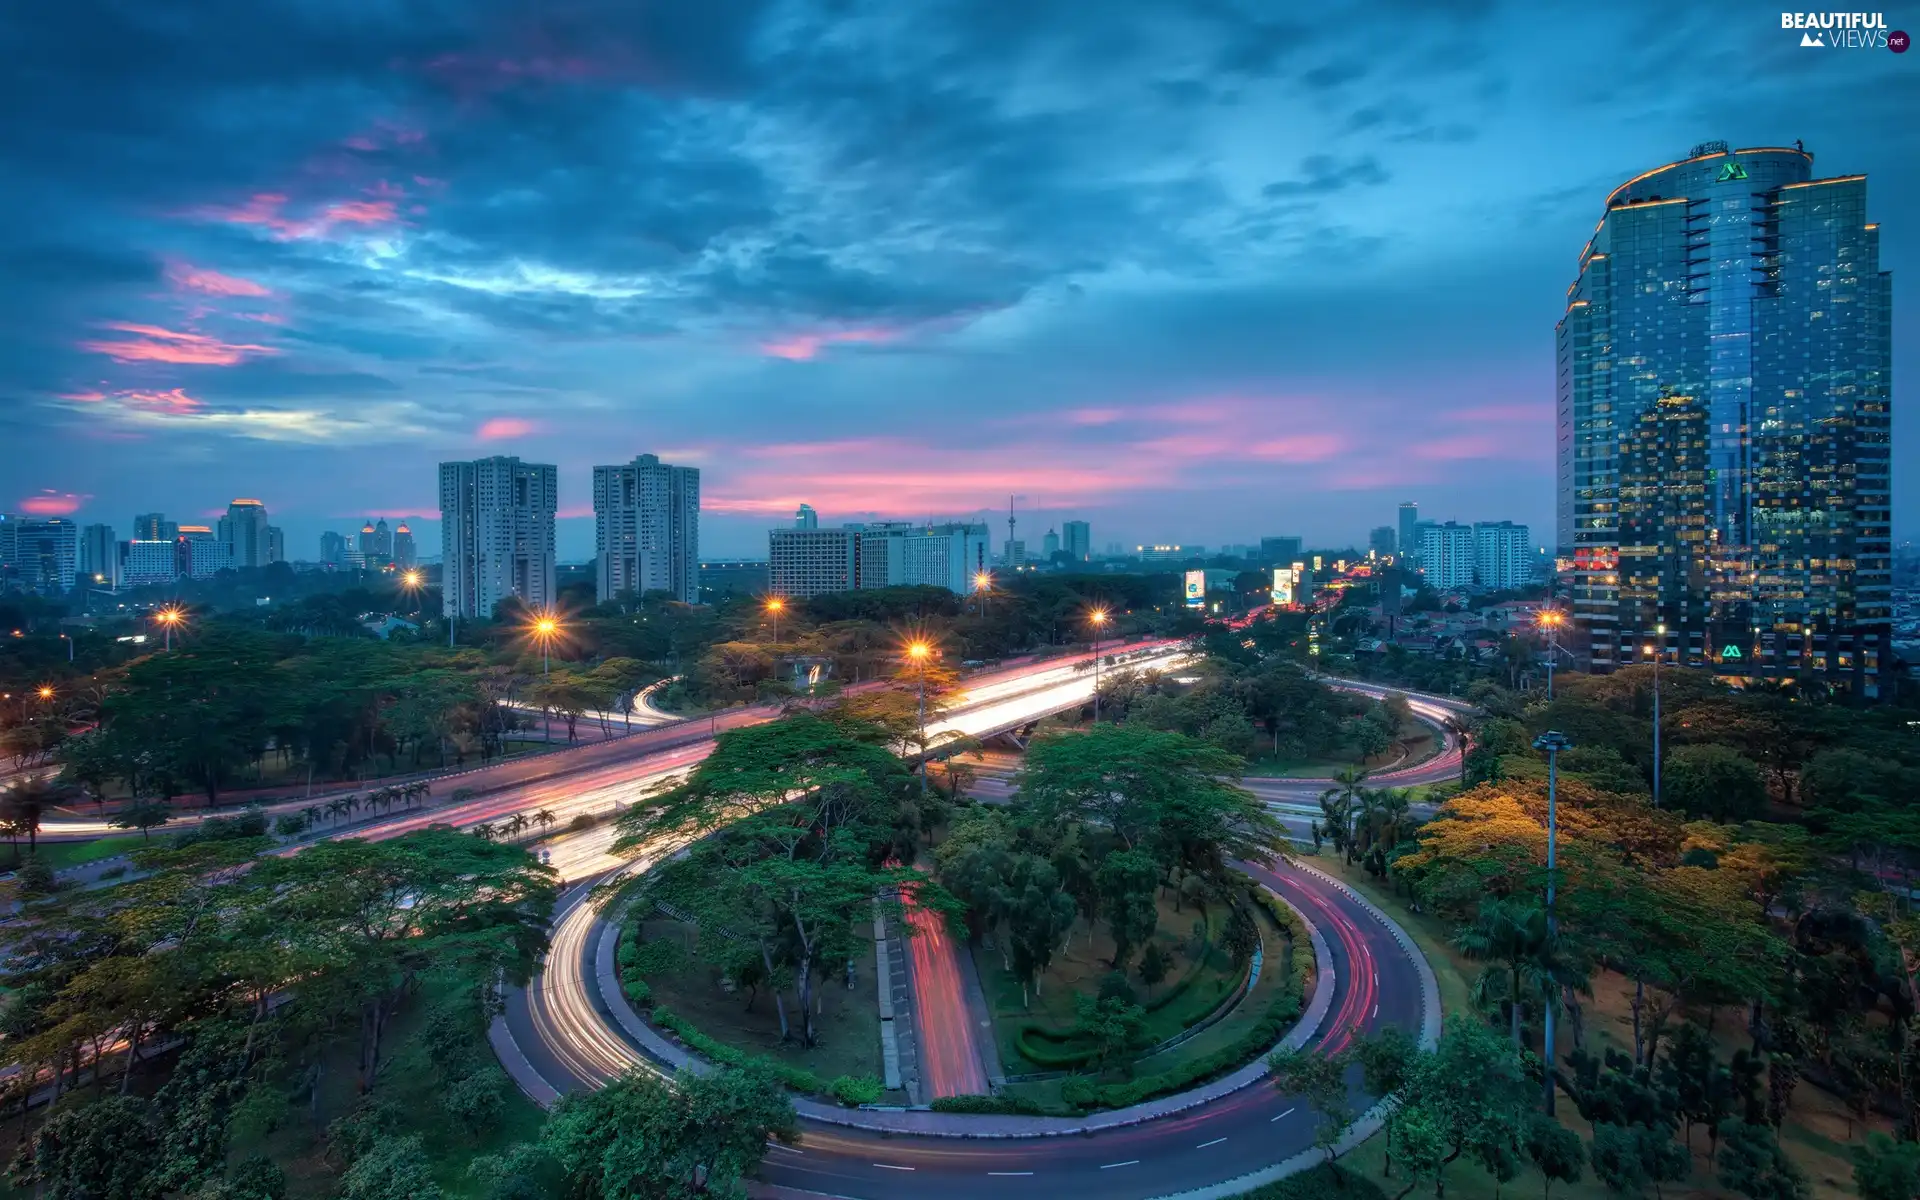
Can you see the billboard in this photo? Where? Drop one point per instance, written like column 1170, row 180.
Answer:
column 1282, row 586
column 1196, row 589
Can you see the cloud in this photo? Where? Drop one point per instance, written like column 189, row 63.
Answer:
column 153, row 343
column 802, row 347
column 1323, row 174
column 188, row 277
column 501, row 429
column 266, row 210
column 49, row 503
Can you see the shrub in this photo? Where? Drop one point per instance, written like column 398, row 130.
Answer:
column 1086, row 1093
column 1325, row 1180
column 583, row 821
column 35, row 878
column 289, row 824
column 462, row 793
column 733, row 1056
column 853, row 1091
column 638, row 990
column 476, row 1101
column 1018, row 1106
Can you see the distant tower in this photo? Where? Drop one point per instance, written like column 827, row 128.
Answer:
column 1012, row 560
column 806, row 518
column 405, row 554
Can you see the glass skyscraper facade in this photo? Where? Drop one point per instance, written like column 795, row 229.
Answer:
column 1724, row 388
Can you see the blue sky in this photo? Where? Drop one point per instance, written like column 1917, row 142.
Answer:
column 1193, row 271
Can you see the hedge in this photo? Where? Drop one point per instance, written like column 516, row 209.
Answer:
column 1018, row 1106
column 1322, row 1181
column 1086, row 1094
column 850, row 1090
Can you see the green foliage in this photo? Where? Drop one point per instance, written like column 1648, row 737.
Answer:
column 1108, row 1025
column 853, row 1091
column 1628, row 1159
column 34, row 878
column 1555, row 1151
column 1087, row 1094
column 1320, row 1080
column 1326, row 1179
column 1752, row 1164
column 1884, row 1169
column 986, row 1105
column 1713, row 782
column 391, row 1168
column 641, row 1139
column 108, row 1150
column 476, row 1100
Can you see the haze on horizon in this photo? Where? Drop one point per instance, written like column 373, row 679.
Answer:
column 1187, row 271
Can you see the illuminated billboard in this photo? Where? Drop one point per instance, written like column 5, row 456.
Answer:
column 1283, row 586
column 1196, row 589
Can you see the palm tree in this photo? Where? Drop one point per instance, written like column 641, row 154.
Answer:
column 1463, row 729
column 484, row 831
column 1339, row 803
column 546, row 818
column 517, row 824
column 312, row 813
column 1510, row 935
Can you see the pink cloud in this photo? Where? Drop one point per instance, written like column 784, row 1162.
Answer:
column 50, row 503
column 1299, row 448
column 198, row 279
column 267, row 210
column 152, row 343
column 84, row 397
column 1094, row 416
column 803, row 347
column 499, row 429
column 171, row 400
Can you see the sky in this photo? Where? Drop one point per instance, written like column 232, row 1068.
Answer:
column 1196, row 271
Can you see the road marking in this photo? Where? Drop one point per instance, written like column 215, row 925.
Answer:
column 1376, row 1011
column 891, row 1167
column 1287, row 1113
column 1009, row 1172
column 1214, row 1142
column 1132, row 1162
column 788, row 1149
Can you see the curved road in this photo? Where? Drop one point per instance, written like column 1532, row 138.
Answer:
column 565, row 1030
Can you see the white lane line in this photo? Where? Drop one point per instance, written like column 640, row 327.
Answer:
column 1376, row 1012
column 788, row 1149
column 1009, row 1172
column 1287, row 1113
column 891, row 1167
column 1214, row 1142
column 1132, row 1162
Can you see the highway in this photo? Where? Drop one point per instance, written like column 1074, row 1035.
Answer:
column 566, row 1032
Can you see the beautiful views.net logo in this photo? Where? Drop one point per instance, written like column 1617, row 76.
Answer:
column 1845, row 31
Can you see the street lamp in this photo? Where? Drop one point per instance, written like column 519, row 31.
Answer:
column 544, row 629
column 168, row 618
column 1551, row 619
column 918, row 652
column 1659, row 652
column 982, row 587
column 776, row 606
column 1098, row 617
column 1553, row 742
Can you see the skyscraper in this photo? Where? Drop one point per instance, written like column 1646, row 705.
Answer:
column 382, row 541
column 243, row 531
column 1502, row 555
column 276, row 544
column 405, row 553
column 646, row 521
column 1409, row 539
column 333, row 549
column 154, row 527
column 1381, row 540
column 99, row 556
column 369, row 543
column 38, row 554
column 496, row 534
column 1077, row 539
column 806, row 518
column 1724, row 411
column 1049, row 546
column 1447, row 555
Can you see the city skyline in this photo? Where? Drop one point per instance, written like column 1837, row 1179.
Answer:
column 1186, row 333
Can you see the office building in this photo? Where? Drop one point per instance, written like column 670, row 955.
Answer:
column 1724, row 406
column 154, row 527
column 99, row 556
column 806, row 518
column 243, row 531
column 276, row 544
column 38, row 554
column 646, row 520
column 1162, row 554
column 726, row 578
column 1076, row 538
column 199, row 553
column 1502, row 555
column 405, row 554
column 496, row 534
column 1382, row 540
column 1447, row 555
column 1408, row 539
column 1279, row 551
column 333, row 549
column 368, row 543
column 1049, row 546
column 1014, row 553
column 149, row 561
column 382, row 542
column 813, row 562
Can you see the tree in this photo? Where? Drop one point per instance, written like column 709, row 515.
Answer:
column 1713, row 782
column 1511, row 934
column 1128, row 882
column 1752, row 1164
column 110, row 1149
column 641, row 1139
column 1463, row 730
column 1153, row 966
column 1555, row 1151
column 1884, row 1169
column 1110, row 1022
column 1469, row 1096
column 1340, row 803
column 1629, row 1158
column 392, row 1168
column 144, row 815
column 1320, row 1080
column 24, row 804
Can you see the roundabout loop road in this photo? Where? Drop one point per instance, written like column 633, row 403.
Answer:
column 569, row 1031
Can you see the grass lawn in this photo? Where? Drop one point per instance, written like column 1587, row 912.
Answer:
column 1084, row 962
column 1815, row 1134
column 61, row 855
column 848, row 1020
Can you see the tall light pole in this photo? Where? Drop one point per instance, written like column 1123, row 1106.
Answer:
column 918, row 653
column 1098, row 617
column 1551, row 619
column 1553, row 742
column 776, row 606
column 1659, row 652
column 168, row 618
column 983, row 587
column 545, row 627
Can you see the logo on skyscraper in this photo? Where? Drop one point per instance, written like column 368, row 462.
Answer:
column 1843, row 31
